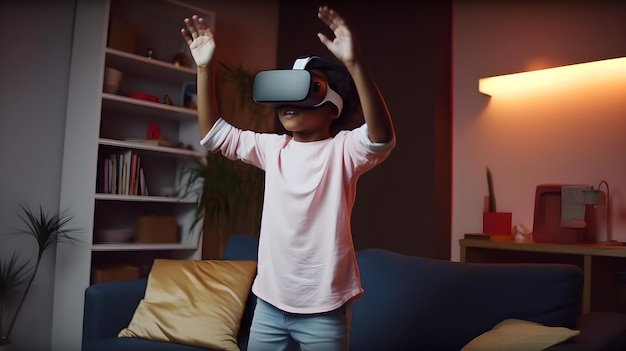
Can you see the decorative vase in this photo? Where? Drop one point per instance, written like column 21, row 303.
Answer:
column 497, row 224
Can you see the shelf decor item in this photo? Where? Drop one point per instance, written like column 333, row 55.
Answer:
column 156, row 229
column 47, row 230
column 495, row 223
column 112, row 78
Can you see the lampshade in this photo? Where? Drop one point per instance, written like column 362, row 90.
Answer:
column 591, row 196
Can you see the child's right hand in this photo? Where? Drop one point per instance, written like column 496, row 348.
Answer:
column 200, row 40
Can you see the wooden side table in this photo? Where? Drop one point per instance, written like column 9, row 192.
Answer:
column 603, row 265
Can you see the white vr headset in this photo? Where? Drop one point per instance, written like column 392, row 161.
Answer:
column 295, row 87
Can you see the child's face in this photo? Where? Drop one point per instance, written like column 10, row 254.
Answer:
column 308, row 123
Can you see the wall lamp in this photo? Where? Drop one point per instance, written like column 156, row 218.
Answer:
column 592, row 197
column 552, row 78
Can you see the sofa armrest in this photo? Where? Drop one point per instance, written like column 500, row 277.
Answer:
column 599, row 331
column 109, row 307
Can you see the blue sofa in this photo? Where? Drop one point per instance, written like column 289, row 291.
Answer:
column 410, row 303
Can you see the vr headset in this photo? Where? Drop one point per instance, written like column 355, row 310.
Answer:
column 295, row 87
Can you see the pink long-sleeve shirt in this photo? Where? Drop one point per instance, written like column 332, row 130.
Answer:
column 306, row 259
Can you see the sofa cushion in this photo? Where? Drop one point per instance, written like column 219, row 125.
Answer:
column 109, row 307
column 241, row 247
column 519, row 335
column 416, row 303
column 193, row 302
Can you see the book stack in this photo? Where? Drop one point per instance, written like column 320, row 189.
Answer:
column 122, row 174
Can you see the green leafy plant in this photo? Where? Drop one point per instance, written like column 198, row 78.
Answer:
column 230, row 193
column 47, row 231
column 491, row 203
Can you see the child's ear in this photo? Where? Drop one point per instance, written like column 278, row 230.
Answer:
column 332, row 113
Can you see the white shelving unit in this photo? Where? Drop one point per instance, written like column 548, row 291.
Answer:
column 99, row 124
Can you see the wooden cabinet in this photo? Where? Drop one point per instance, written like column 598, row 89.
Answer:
column 603, row 265
column 140, row 39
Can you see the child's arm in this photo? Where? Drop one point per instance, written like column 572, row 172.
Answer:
column 344, row 47
column 202, row 45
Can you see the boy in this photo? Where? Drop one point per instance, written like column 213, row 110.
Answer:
column 307, row 272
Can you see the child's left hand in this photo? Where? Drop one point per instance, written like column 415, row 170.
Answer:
column 344, row 46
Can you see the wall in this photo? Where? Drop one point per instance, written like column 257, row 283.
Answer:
column 575, row 135
column 246, row 31
column 36, row 42
column 403, row 204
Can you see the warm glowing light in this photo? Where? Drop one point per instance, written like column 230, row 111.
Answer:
column 553, row 78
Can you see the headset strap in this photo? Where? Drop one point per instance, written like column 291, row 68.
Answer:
column 301, row 63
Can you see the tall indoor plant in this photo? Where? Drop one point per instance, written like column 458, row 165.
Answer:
column 230, row 193
column 495, row 223
column 47, row 230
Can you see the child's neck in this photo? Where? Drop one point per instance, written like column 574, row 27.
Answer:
column 306, row 137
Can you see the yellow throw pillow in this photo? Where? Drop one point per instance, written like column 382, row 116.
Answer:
column 519, row 335
column 193, row 302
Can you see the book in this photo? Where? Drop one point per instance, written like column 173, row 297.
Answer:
column 126, row 158
column 119, row 166
column 112, row 174
column 132, row 190
column 105, row 176
column 142, row 183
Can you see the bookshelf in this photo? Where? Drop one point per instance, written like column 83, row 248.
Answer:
column 102, row 123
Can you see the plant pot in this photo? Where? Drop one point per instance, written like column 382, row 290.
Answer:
column 497, row 223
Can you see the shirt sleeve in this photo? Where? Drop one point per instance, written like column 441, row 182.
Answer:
column 216, row 136
column 237, row 144
column 364, row 139
column 360, row 153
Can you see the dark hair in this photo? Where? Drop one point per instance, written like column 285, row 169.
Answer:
column 340, row 80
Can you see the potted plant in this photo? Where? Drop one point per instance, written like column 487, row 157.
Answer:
column 495, row 223
column 229, row 193
column 13, row 274
column 47, row 231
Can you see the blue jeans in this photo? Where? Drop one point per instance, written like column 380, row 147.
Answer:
column 273, row 328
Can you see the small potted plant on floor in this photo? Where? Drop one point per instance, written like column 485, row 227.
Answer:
column 17, row 275
column 13, row 275
column 496, row 224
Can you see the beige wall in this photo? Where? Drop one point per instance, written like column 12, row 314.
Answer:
column 576, row 135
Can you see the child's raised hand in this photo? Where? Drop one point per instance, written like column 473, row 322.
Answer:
column 200, row 40
column 343, row 46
